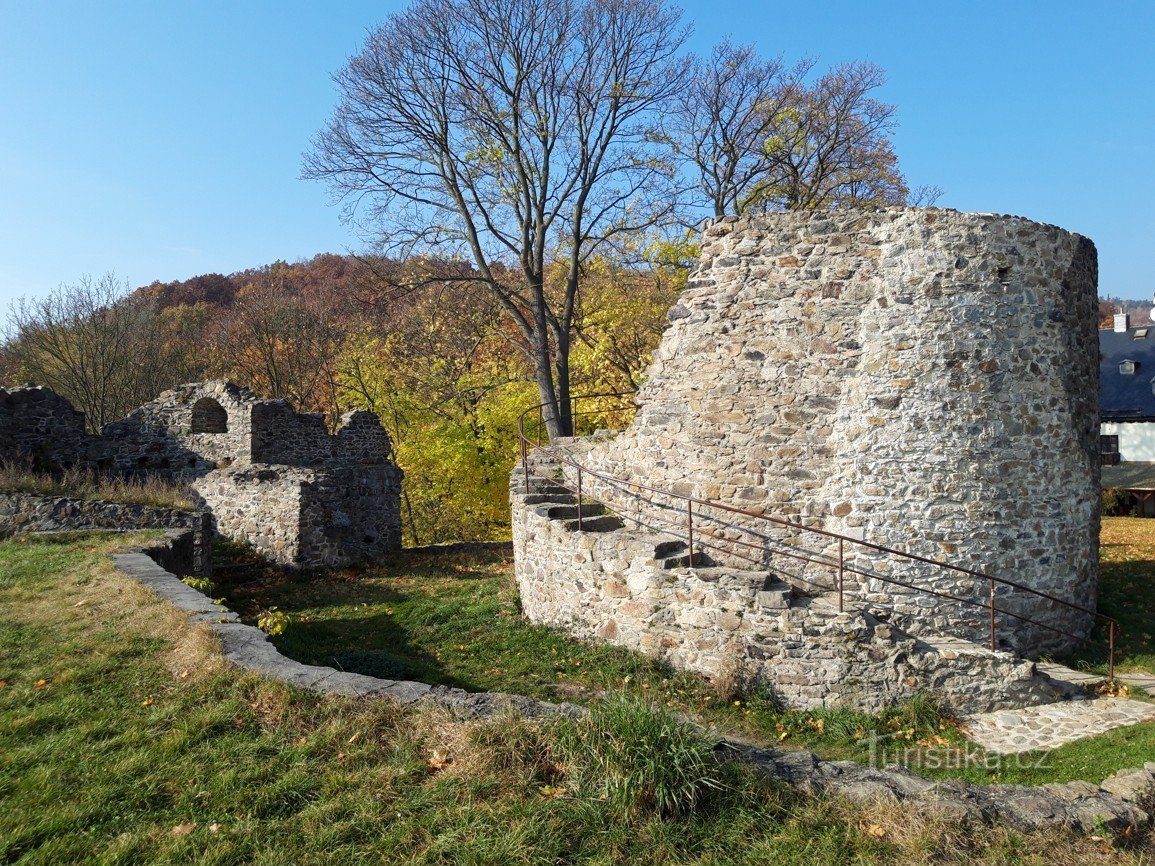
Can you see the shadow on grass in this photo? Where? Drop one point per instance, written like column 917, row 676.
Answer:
column 1126, row 594
column 422, row 615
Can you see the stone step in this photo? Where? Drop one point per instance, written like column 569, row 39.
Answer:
column 547, row 487
column 570, row 512
column 600, row 523
column 549, row 498
column 1073, row 682
column 668, row 547
column 777, row 596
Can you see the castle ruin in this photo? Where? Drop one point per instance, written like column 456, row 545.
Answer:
column 918, row 379
column 270, row 476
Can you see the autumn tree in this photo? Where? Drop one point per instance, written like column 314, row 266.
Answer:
column 516, row 132
column 279, row 343
column 105, row 351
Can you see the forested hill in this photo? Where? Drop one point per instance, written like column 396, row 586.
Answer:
column 420, row 343
column 324, row 274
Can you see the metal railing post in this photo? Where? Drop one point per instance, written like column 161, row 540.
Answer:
column 991, row 597
column 524, row 462
column 690, row 528
column 840, row 560
column 579, row 498
column 539, row 417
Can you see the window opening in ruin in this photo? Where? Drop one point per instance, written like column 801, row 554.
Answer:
column 209, row 416
column 1004, row 275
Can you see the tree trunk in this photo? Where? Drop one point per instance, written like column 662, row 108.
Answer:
column 547, row 393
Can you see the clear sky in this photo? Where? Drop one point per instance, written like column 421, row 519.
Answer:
column 162, row 139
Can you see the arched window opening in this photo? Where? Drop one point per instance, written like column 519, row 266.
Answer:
column 209, row 416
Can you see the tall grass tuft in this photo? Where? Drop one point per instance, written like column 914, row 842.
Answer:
column 638, row 757
column 80, row 483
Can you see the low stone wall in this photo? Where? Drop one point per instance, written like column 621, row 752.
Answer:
column 25, row 512
column 249, row 648
column 1116, row 803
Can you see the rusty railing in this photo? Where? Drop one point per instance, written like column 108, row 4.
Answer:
column 841, row 566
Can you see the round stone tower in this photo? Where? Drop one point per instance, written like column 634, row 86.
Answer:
column 921, row 379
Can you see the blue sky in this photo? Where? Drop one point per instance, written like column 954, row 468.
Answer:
column 163, row 139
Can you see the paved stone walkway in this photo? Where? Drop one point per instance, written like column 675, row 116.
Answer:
column 1052, row 725
column 1083, row 679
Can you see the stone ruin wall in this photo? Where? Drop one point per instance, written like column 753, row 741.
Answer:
column 40, row 425
column 922, row 379
column 271, row 477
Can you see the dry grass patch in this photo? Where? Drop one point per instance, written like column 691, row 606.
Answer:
column 79, row 483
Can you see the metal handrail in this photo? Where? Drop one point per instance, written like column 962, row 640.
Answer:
column 1112, row 625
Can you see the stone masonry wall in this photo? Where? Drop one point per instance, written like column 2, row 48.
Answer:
column 302, row 516
column 160, row 438
column 271, row 476
column 919, row 378
column 36, row 424
column 611, row 585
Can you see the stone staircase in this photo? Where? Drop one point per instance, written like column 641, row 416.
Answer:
column 634, row 586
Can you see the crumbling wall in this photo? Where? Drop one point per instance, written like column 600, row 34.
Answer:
column 185, row 432
column 921, row 379
column 271, row 476
column 37, row 424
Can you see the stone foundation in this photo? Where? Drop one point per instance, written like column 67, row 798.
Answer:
column 190, row 540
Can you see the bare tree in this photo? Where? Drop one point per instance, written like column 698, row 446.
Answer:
column 93, row 343
column 759, row 137
column 722, row 121
column 513, row 132
column 833, row 148
column 280, row 344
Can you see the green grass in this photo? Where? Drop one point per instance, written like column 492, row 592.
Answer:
column 1126, row 593
column 125, row 739
column 454, row 620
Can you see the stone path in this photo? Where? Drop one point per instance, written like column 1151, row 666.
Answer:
column 1052, row 725
column 1135, row 679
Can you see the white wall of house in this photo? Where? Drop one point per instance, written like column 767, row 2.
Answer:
column 1136, row 439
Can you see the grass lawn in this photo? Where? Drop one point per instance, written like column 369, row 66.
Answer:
column 453, row 619
column 124, row 738
column 1127, row 591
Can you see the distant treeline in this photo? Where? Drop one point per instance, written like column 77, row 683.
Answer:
column 418, row 343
